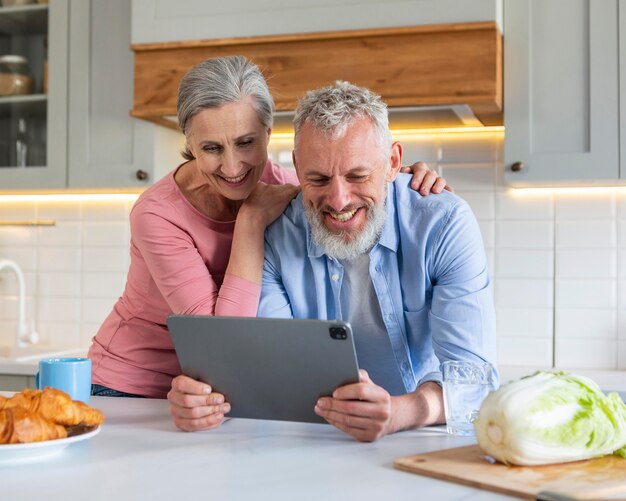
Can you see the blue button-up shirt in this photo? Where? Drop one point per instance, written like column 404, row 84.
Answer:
column 429, row 272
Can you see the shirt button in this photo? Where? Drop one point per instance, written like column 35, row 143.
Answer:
column 405, row 366
column 334, row 277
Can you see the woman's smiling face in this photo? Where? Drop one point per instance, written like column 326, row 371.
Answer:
column 230, row 147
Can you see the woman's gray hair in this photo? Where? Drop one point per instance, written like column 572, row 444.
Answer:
column 219, row 81
column 332, row 109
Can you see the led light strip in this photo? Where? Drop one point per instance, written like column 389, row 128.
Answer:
column 69, row 197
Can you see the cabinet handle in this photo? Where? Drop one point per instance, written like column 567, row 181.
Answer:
column 517, row 166
column 142, row 175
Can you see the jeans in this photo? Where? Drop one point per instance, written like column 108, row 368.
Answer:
column 102, row 391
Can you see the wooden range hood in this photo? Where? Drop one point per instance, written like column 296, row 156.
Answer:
column 421, row 66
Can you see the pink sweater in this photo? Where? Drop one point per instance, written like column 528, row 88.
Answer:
column 178, row 259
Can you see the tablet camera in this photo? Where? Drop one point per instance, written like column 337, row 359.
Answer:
column 338, row 333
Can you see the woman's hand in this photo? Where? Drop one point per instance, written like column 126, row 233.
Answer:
column 194, row 406
column 426, row 180
column 267, row 202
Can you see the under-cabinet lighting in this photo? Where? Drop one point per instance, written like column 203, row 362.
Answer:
column 438, row 131
column 569, row 190
column 69, row 197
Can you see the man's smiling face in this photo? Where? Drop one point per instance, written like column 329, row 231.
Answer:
column 344, row 185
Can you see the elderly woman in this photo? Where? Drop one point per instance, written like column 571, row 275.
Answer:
column 197, row 234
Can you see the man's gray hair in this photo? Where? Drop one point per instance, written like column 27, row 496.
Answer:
column 219, row 81
column 332, row 109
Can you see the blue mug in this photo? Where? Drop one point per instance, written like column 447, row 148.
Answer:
column 71, row 375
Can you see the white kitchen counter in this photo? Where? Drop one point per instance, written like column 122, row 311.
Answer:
column 29, row 366
column 139, row 454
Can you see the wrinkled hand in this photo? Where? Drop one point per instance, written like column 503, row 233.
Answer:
column 426, row 180
column 194, row 406
column 267, row 202
column 362, row 409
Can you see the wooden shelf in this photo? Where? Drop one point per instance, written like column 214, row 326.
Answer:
column 24, row 20
column 29, row 105
column 452, row 64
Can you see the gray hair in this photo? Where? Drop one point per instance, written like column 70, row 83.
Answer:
column 219, row 81
column 332, row 109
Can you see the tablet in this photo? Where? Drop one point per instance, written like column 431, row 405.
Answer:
column 266, row 368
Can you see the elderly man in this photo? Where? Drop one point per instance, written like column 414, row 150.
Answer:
column 408, row 272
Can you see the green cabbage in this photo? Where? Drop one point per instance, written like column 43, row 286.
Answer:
column 551, row 417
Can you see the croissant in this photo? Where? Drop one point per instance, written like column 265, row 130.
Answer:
column 56, row 406
column 19, row 426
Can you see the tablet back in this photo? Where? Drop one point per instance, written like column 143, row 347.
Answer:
column 266, row 368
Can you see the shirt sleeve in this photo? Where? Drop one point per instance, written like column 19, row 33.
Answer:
column 274, row 302
column 180, row 273
column 462, row 316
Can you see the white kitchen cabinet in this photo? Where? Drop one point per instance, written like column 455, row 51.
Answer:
column 561, row 96
column 82, row 127
column 107, row 148
column 181, row 20
column 37, row 120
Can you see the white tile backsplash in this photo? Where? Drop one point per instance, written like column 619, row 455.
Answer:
column 558, row 259
column 621, row 233
column 74, row 270
column 620, row 200
column 582, row 323
column 58, row 309
column 586, row 353
column 54, row 284
column 511, row 205
column 526, row 352
column 463, row 149
column 523, row 293
column 524, row 235
column 60, row 333
column 424, row 149
column 482, row 203
column 95, row 310
column 469, row 177
column 106, row 234
column 592, row 206
column 104, row 210
column 586, row 264
column 63, row 234
column 488, row 231
column 527, row 263
column 102, row 285
column 11, row 236
column 525, row 322
column 24, row 257
column 59, row 259
column 59, row 210
column 105, row 259
column 586, row 293
column 586, row 234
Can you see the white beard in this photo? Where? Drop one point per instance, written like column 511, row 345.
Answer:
column 335, row 245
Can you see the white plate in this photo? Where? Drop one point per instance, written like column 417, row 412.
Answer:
column 17, row 453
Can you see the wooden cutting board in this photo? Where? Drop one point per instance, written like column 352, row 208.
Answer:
column 591, row 479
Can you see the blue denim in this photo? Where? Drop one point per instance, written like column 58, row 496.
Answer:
column 98, row 390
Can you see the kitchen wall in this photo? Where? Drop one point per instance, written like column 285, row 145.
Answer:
column 558, row 258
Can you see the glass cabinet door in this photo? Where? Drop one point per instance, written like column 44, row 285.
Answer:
column 33, row 94
column 23, row 45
